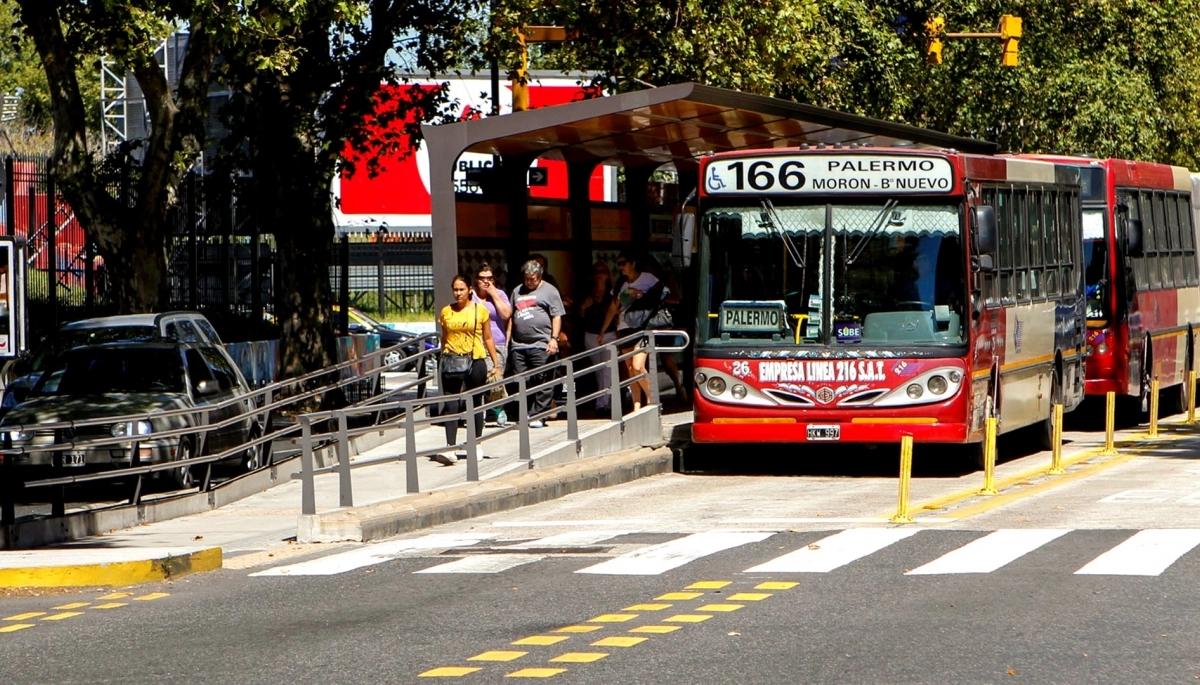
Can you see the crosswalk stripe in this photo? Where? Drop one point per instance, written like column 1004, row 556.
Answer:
column 483, row 563
column 989, row 552
column 834, row 551
column 656, row 559
column 371, row 555
column 574, row 538
column 1147, row 553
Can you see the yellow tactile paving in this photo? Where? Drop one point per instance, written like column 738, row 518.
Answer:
column 648, row 607
column 688, row 618
column 111, row 605
column 497, row 655
column 680, row 595
column 448, row 672
column 613, row 618
column 15, row 627
column 25, row 617
column 151, row 596
column 72, row 605
column 116, row 595
column 65, row 614
column 536, row 673
column 720, row 607
column 541, row 640
column 577, row 629
column 775, row 585
column 619, row 641
column 709, row 585
column 657, row 630
column 748, row 596
column 579, row 657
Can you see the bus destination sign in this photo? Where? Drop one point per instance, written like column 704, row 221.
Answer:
column 749, row 316
column 828, row 174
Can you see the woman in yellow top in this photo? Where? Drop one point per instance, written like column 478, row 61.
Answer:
column 465, row 331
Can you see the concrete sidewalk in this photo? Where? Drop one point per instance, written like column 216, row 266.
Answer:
column 267, row 523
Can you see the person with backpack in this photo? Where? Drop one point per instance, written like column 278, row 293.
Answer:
column 638, row 298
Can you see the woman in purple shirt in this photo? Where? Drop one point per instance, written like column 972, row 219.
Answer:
column 500, row 310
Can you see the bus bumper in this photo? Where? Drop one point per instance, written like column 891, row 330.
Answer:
column 1102, row 386
column 734, row 431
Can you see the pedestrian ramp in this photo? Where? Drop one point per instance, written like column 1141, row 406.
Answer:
column 1127, row 553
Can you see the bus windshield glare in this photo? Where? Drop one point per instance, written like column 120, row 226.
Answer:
column 893, row 269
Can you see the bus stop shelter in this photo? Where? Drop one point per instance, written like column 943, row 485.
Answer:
column 498, row 223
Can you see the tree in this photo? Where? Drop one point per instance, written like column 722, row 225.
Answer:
column 123, row 201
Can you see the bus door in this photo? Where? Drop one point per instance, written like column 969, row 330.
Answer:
column 1129, row 246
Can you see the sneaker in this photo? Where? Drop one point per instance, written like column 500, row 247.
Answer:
column 501, row 418
column 537, row 423
column 461, row 455
column 444, row 460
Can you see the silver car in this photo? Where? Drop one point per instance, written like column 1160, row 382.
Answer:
column 132, row 378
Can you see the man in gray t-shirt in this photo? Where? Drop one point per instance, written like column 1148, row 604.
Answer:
column 536, row 322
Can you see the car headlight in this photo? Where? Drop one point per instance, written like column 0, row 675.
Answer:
column 716, row 385
column 126, row 430
column 20, row 435
column 937, row 385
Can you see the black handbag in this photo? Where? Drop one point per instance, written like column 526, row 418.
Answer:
column 455, row 364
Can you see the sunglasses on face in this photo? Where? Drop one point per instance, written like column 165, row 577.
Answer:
column 486, row 278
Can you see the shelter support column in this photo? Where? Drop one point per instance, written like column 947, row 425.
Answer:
column 445, row 144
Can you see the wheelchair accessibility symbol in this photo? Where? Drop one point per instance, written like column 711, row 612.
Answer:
column 714, row 181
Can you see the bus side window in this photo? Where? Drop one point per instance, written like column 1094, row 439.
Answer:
column 1020, row 244
column 1187, row 239
column 1169, row 208
column 991, row 282
column 1050, row 231
column 1133, row 213
column 1004, row 257
column 1163, row 239
column 1037, row 258
column 1151, row 233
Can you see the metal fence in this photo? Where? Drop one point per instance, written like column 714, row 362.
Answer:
column 384, row 276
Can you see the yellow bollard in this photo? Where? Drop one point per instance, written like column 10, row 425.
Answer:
column 1153, row 432
column 906, row 449
column 1110, row 425
column 1191, row 381
column 1056, row 467
column 989, row 459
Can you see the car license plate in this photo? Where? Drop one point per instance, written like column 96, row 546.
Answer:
column 825, row 432
column 74, row 459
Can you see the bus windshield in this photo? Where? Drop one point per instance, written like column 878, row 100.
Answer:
column 893, row 270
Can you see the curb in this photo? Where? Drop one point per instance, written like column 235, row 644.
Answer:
column 36, row 569
column 387, row 519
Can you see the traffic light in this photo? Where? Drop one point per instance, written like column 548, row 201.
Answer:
column 1010, row 33
column 933, row 31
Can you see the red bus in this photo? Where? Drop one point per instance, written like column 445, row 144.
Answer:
column 1143, row 299
column 863, row 294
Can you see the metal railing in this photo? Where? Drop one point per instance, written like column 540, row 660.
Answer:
column 267, row 401
column 403, row 414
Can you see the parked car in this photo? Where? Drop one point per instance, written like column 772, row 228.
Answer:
column 403, row 341
column 22, row 373
column 129, row 378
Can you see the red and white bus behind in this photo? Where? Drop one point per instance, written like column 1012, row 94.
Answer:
column 859, row 295
column 1143, row 299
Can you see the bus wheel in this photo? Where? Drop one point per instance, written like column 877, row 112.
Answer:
column 1045, row 430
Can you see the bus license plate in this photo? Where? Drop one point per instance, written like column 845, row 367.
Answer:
column 817, row 433
column 74, row 459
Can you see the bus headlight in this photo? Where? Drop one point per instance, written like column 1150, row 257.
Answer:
column 716, row 385
column 934, row 385
column 955, row 377
column 915, row 390
column 1102, row 348
column 739, row 391
column 701, row 377
column 937, row 385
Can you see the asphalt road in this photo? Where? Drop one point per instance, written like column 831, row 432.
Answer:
column 784, row 575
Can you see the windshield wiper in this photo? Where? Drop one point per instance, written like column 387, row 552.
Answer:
column 877, row 224
column 770, row 219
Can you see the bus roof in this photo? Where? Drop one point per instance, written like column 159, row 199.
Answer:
column 1129, row 173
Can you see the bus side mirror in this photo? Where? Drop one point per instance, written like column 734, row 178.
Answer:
column 683, row 238
column 984, row 263
column 1133, row 237
column 985, row 229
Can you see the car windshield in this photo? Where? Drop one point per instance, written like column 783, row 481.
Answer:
column 894, row 271
column 63, row 340
column 96, row 371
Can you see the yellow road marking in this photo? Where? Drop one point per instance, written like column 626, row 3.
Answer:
column 619, row 641
column 613, row 618
column 116, row 595
column 680, row 595
column 541, row 640
column 536, row 673
column 579, row 657
column 688, row 618
column 720, row 607
column 110, row 605
column 65, row 614
column 657, row 630
column 22, row 617
column 648, row 607
column 577, row 629
column 709, row 585
column 152, row 595
column 497, row 655
column 448, row 672
column 748, row 596
column 775, row 585
column 73, row 605
column 15, row 627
